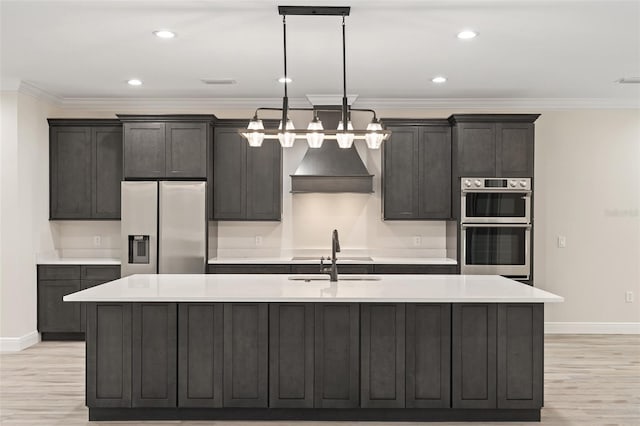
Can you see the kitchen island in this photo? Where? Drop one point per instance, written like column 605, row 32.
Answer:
column 385, row 347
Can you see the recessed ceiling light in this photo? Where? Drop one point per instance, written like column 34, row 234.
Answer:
column 439, row 79
column 284, row 80
column 134, row 82
column 164, row 34
column 467, row 34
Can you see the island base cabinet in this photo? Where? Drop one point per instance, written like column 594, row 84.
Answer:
column 382, row 361
column 108, row 354
column 474, row 355
column 245, row 355
column 428, row 356
column 337, row 355
column 520, row 355
column 291, row 360
column 154, row 354
column 200, row 332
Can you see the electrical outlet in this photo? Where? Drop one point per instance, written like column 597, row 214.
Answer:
column 417, row 240
column 628, row 297
column 97, row 241
column 258, row 240
column 562, row 241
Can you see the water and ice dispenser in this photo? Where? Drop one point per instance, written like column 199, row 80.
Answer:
column 138, row 249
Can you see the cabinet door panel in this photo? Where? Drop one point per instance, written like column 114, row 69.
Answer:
column 291, row 355
column 514, row 146
column 400, row 174
column 337, row 351
column 107, row 172
column 474, row 356
column 186, row 150
column 476, row 150
column 382, row 355
column 229, row 187
column 200, row 354
column 245, row 355
column 54, row 315
column 264, row 181
column 154, row 354
column 520, row 355
column 84, row 284
column 144, row 150
column 428, row 355
column 70, row 173
column 108, row 354
column 435, row 173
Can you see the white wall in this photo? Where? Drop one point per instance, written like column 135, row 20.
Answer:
column 24, row 227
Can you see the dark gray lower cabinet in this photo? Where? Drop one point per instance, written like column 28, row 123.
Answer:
column 428, row 368
column 245, row 355
column 520, row 355
column 154, row 352
column 200, row 332
column 109, row 354
column 382, row 361
column 291, row 362
column 54, row 315
column 337, row 350
column 474, row 355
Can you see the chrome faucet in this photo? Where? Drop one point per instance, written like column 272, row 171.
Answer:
column 335, row 248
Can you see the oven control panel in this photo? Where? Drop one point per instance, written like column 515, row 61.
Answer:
column 495, row 184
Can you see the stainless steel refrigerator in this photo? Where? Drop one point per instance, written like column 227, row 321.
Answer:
column 164, row 227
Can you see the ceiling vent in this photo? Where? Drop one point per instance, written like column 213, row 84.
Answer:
column 219, row 81
column 629, row 80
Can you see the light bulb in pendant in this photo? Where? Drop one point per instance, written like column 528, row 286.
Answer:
column 315, row 139
column 287, row 138
column 345, row 140
column 374, row 138
column 255, row 137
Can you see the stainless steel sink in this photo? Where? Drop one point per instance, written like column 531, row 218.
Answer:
column 309, row 278
column 341, row 258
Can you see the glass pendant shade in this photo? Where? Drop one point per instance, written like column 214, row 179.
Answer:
column 315, row 139
column 255, row 138
column 287, row 138
column 345, row 140
column 373, row 137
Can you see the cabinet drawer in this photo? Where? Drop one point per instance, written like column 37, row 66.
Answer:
column 415, row 269
column 58, row 272
column 248, row 269
column 100, row 272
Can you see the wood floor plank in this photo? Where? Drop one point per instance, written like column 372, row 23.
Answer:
column 589, row 380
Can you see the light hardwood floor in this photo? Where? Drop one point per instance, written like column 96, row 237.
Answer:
column 589, row 380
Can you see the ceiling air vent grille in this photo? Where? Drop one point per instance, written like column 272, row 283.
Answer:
column 219, row 81
column 629, row 80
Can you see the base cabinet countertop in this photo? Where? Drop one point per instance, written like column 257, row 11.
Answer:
column 324, row 356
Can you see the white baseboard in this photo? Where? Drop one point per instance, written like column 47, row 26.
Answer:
column 16, row 344
column 592, row 327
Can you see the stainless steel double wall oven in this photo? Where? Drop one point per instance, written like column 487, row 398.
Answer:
column 495, row 219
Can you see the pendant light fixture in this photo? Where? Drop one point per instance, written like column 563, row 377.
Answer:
column 315, row 134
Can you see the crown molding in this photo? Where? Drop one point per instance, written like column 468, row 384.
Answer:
column 500, row 103
column 31, row 89
column 186, row 105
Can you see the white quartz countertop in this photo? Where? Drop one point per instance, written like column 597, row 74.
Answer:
column 341, row 260
column 279, row 288
column 78, row 261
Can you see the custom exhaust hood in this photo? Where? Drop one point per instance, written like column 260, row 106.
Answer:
column 331, row 169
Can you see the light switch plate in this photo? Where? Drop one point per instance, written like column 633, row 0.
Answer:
column 562, row 241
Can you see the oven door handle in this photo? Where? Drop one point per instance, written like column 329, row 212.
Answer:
column 496, row 225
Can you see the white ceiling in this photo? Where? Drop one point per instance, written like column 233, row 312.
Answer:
column 564, row 49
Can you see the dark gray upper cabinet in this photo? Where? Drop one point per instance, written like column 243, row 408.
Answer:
column 247, row 181
column 493, row 145
column 167, row 146
column 417, row 170
column 85, row 168
column 144, row 150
